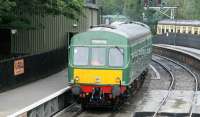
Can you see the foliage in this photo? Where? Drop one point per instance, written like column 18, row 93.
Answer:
column 17, row 12
column 133, row 9
column 130, row 8
column 112, row 7
column 187, row 9
column 5, row 7
column 69, row 8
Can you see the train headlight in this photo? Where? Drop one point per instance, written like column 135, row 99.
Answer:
column 76, row 79
column 117, row 80
column 98, row 80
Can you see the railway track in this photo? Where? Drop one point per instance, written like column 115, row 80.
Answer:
column 72, row 110
column 169, row 88
column 195, row 89
column 157, row 78
column 196, row 85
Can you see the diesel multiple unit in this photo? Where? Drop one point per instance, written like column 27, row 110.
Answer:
column 107, row 62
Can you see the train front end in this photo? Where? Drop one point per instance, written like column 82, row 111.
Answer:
column 97, row 67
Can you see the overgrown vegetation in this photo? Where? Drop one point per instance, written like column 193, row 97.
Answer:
column 130, row 8
column 133, row 9
column 16, row 12
column 187, row 9
column 111, row 7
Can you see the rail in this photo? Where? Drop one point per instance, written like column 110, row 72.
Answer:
column 195, row 80
column 169, row 89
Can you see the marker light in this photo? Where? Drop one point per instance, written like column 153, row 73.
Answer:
column 98, row 80
column 76, row 79
column 117, row 80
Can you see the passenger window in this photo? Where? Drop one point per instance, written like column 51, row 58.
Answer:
column 81, row 55
column 189, row 30
column 178, row 31
column 163, row 31
column 195, row 31
column 116, row 57
column 98, row 56
column 184, row 29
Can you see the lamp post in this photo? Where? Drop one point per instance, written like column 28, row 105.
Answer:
column 13, row 31
column 175, row 33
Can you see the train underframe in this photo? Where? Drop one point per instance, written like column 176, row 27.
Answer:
column 107, row 96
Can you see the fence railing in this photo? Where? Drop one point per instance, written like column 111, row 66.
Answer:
column 23, row 69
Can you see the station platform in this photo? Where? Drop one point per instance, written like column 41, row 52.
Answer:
column 179, row 103
column 13, row 100
column 186, row 49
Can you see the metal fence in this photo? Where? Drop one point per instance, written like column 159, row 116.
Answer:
column 187, row 40
column 20, row 70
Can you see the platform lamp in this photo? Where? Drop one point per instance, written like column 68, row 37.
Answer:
column 13, row 31
column 167, row 37
column 75, row 25
column 175, row 33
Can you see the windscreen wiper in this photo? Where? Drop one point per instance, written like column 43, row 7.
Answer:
column 119, row 50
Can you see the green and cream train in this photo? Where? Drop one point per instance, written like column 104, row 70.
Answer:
column 107, row 62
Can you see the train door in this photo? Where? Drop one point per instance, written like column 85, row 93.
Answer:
column 69, row 37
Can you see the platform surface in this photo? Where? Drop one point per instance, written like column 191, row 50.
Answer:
column 196, row 109
column 16, row 99
column 179, row 102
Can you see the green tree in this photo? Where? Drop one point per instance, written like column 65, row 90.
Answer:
column 130, row 8
column 133, row 9
column 112, row 7
column 187, row 9
column 5, row 7
column 18, row 11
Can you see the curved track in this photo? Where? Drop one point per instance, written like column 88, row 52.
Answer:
column 170, row 73
column 156, row 82
column 195, row 84
column 170, row 86
column 194, row 76
column 72, row 110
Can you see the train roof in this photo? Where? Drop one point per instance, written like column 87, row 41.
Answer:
column 131, row 30
column 180, row 22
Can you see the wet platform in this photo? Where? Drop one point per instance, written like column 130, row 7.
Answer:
column 196, row 108
column 179, row 103
column 14, row 100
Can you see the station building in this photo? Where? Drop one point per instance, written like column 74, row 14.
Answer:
column 178, row 26
column 49, row 32
column 29, row 54
column 178, row 32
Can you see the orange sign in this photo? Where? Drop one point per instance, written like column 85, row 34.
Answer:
column 18, row 67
